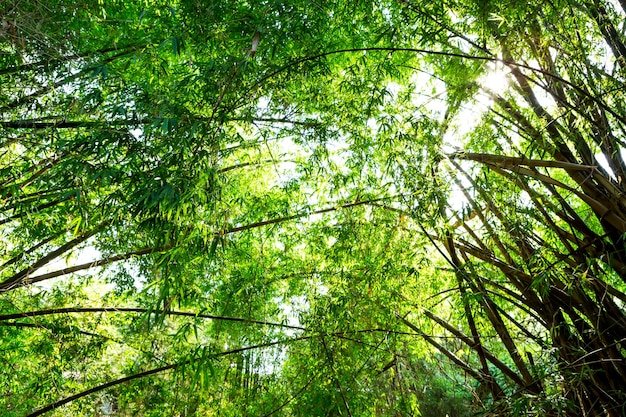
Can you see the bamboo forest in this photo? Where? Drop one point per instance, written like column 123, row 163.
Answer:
column 312, row 208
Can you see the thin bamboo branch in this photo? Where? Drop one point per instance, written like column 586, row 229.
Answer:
column 72, row 310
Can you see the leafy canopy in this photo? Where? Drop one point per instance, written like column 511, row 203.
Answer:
column 312, row 208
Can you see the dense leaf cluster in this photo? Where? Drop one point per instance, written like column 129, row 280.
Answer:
column 312, row 208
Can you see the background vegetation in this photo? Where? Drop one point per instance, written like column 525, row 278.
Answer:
column 307, row 208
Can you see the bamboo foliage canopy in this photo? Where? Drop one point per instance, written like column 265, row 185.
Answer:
column 305, row 208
